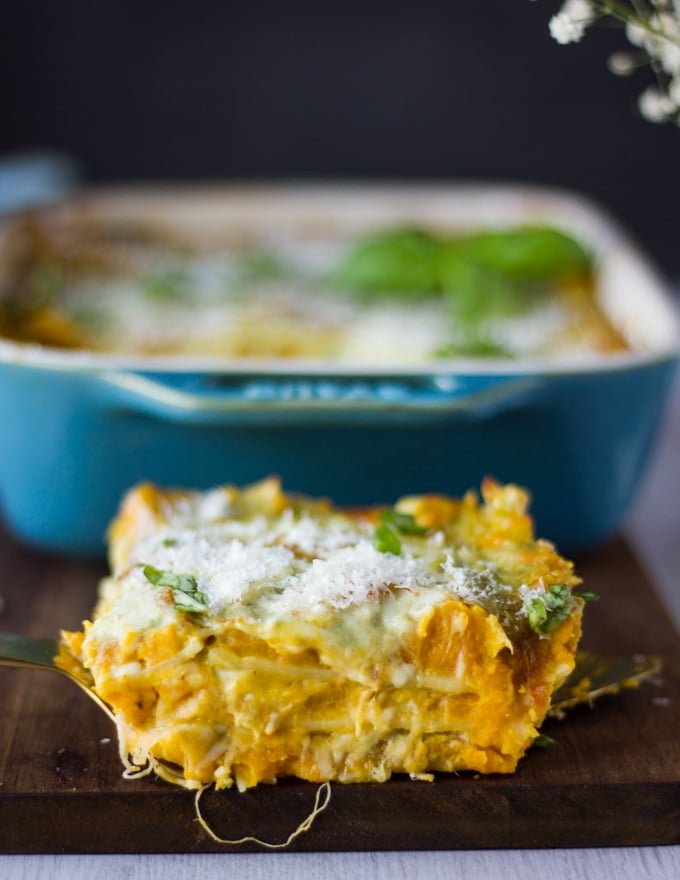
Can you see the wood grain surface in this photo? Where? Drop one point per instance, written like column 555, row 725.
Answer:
column 612, row 778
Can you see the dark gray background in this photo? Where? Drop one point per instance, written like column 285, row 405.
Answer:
column 429, row 89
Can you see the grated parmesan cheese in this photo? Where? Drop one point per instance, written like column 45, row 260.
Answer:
column 299, row 564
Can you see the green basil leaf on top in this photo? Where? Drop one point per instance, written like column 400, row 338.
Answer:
column 393, row 524
column 546, row 610
column 185, row 593
column 396, row 262
column 526, row 253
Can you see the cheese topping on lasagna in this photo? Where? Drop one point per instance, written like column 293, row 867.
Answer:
column 508, row 293
column 247, row 635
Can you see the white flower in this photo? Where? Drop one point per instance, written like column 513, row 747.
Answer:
column 665, row 44
column 570, row 23
column 652, row 27
column 637, row 34
column 655, row 106
column 565, row 30
column 621, row 63
column 579, row 9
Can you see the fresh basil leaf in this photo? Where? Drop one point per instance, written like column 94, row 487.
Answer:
column 398, row 262
column 44, row 282
column 475, row 293
column 256, row 266
column 474, row 346
column 586, row 595
column 191, row 602
column 386, row 539
column 392, row 524
column 402, row 522
column 185, row 593
column 547, row 610
column 528, row 253
column 166, row 285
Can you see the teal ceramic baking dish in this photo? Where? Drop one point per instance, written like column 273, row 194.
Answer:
column 80, row 428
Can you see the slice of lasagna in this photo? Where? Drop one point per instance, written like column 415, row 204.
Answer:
column 248, row 635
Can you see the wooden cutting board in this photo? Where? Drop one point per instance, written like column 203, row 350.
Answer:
column 612, row 778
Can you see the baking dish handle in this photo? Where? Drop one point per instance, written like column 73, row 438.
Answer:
column 209, row 398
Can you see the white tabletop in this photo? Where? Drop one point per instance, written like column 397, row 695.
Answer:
column 654, row 529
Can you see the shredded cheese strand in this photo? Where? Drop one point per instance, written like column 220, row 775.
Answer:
column 321, row 801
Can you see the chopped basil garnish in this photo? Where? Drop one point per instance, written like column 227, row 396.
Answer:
column 542, row 741
column 404, row 523
column 185, row 593
column 45, row 280
column 168, row 284
column 393, row 524
column 256, row 266
column 386, row 539
column 472, row 344
column 547, row 610
column 585, row 595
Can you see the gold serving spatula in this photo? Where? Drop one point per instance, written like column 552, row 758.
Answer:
column 595, row 676
column 30, row 652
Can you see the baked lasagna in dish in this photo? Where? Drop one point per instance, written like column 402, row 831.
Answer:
column 246, row 635
column 303, row 293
